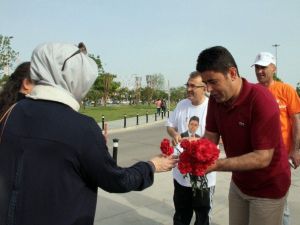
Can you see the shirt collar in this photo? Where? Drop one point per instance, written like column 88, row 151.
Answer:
column 246, row 87
column 244, row 93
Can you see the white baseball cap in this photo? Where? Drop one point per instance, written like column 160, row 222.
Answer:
column 264, row 59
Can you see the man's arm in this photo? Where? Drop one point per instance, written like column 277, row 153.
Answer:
column 254, row 160
column 257, row 159
column 295, row 147
column 214, row 137
column 172, row 131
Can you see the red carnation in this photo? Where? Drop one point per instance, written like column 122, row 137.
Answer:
column 185, row 144
column 196, row 158
column 166, row 148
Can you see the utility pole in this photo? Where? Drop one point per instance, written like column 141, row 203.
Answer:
column 275, row 46
column 169, row 98
column 138, row 81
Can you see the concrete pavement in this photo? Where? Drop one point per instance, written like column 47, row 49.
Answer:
column 154, row 206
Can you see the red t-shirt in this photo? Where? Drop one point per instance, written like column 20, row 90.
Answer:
column 252, row 123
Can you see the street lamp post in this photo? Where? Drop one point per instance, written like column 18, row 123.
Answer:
column 275, row 46
column 169, row 97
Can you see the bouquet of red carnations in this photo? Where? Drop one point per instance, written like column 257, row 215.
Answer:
column 196, row 157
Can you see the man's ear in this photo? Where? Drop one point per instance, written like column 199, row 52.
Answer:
column 274, row 68
column 233, row 74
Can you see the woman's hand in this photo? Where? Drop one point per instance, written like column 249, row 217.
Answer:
column 163, row 163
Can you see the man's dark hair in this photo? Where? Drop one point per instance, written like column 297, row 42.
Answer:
column 217, row 59
column 195, row 118
column 194, row 74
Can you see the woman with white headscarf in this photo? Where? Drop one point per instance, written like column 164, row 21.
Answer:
column 53, row 159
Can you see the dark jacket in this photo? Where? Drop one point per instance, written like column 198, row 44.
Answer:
column 186, row 134
column 52, row 160
column 20, row 96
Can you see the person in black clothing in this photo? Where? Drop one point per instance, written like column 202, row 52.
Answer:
column 52, row 158
column 18, row 85
column 163, row 107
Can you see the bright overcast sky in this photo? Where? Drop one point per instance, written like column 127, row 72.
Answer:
column 140, row 37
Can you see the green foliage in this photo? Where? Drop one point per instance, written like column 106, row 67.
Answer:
column 98, row 62
column 7, row 55
column 276, row 78
column 159, row 94
column 122, row 94
column 177, row 94
column 93, row 96
column 147, row 95
column 104, row 86
column 117, row 111
column 3, row 80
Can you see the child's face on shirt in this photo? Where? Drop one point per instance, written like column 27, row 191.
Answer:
column 193, row 126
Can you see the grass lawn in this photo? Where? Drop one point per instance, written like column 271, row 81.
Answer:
column 115, row 112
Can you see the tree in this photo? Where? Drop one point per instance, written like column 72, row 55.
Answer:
column 94, row 96
column 156, row 81
column 104, row 86
column 298, row 88
column 98, row 62
column 177, row 94
column 3, row 80
column 107, row 84
column 276, row 78
column 131, row 96
column 122, row 94
column 7, row 55
column 147, row 95
column 160, row 94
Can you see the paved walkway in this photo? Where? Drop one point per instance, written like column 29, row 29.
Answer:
column 154, row 205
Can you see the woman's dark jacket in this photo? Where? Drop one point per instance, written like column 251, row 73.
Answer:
column 52, row 160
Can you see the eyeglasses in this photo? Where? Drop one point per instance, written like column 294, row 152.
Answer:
column 82, row 49
column 193, row 86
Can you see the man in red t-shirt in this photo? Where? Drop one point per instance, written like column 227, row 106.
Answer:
column 247, row 117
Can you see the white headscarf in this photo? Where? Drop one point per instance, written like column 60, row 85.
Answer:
column 68, row 86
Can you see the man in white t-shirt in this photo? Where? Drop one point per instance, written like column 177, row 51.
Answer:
column 184, row 201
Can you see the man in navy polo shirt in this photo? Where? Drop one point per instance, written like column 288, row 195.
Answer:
column 247, row 117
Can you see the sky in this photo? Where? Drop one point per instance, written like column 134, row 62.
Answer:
column 142, row 37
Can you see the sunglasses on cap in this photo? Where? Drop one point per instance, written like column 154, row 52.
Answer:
column 82, row 49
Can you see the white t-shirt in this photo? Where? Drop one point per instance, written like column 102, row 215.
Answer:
column 179, row 119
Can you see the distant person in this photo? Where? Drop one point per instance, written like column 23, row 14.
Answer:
column 52, row 158
column 247, row 117
column 16, row 87
column 289, row 106
column 192, row 128
column 163, row 106
column 158, row 106
column 181, row 120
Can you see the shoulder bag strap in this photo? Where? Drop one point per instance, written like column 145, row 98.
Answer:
column 4, row 118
